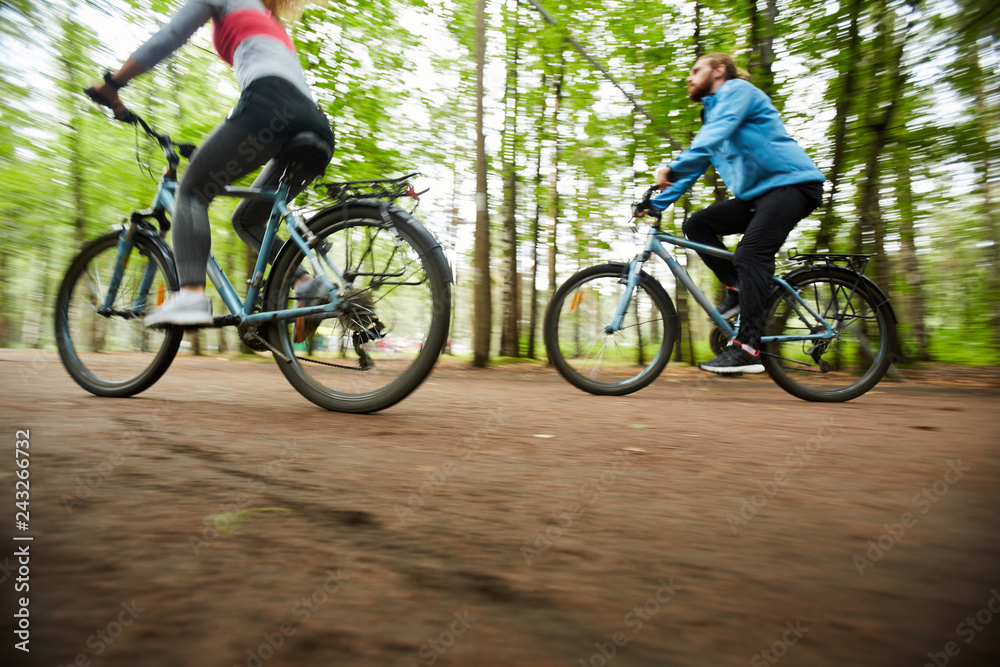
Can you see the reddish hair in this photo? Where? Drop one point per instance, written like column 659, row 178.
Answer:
column 732, row 71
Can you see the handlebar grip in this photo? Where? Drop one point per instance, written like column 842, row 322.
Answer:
column 646, row 208
column 126, row 117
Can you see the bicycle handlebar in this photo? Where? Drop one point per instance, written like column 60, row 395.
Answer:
column 646, row 207
column 132, row 118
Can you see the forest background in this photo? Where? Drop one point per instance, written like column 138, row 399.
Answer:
column 898, row 102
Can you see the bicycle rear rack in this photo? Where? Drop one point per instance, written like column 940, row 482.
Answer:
column 381, row 188
column 855, row 262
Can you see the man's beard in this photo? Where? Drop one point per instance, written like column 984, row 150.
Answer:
column 702, row 91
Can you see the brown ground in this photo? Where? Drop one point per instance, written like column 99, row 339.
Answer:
column 502, row 517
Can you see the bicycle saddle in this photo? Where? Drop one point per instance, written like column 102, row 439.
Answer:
column 307, row 156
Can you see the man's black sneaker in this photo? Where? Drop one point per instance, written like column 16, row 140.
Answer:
column 734, row 359
column 730, row 308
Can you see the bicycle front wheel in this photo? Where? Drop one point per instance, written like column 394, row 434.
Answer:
column 834, row 370
column 392, row 325
column 609, row 363
column 108, row 351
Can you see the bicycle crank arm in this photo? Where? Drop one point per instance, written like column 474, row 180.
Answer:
column 272, row 348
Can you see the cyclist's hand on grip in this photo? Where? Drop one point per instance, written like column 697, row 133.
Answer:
column 108, row 97
column 664, row 179
column 645, row 207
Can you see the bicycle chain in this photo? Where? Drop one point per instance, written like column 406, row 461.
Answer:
column 326, row 363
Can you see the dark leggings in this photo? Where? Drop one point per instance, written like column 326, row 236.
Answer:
column 765, row 223
column 269, row 113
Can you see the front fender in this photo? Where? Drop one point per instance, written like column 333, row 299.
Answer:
column 151, row 235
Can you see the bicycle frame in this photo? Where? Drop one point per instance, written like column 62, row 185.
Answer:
column 654, row 245
column 241, row 311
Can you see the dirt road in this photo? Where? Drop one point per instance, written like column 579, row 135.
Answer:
column 502, row 517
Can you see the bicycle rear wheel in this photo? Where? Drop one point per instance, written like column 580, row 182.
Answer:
column 109, row 352
column 609, row 364
column 834, row 370
column 392, row 325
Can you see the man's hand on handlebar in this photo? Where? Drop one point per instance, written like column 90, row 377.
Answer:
column 645, row 207
column 664, row 179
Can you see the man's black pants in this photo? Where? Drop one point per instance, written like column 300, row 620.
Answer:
column 765, row 223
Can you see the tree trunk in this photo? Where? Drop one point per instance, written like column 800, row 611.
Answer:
column 509, row 334
column 987, row 124
column 884, row 103
column 762, row 46
column 6, row 321
column 555, row 178
column 913, row 296
column 453, row 243
column 76, row 141
column 43, row 306
column 844, row 109
column 482, row 314
column 535, row 224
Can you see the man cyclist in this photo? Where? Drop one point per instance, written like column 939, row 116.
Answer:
column 275, row 105
column 774, row 183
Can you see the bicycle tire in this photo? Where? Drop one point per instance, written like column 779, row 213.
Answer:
column 842, row 369
column 121, row 358
column 585, row 362
column 343, row 384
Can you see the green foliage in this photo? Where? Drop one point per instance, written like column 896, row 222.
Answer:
column 396, row 80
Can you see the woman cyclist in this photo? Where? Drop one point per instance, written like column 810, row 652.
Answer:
column 275, row 105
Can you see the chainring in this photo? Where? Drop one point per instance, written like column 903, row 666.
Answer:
column 718, row 341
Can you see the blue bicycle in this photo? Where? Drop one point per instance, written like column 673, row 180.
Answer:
column 379, row 330
column 831, row 332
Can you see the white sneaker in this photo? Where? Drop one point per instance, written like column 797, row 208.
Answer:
column 183, row 309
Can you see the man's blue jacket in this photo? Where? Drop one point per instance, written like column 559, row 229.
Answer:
column 744, row 138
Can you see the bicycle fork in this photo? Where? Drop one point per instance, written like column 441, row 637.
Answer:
column 631, row 280
column 126, row 243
